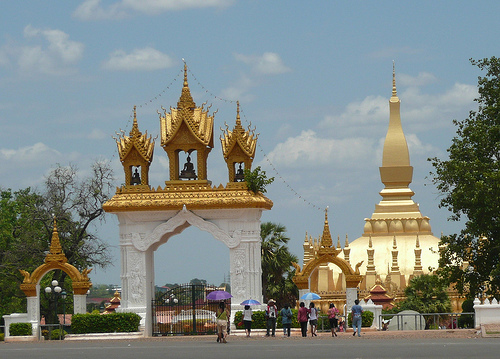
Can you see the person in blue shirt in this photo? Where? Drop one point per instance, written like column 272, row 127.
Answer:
column 286, row 319
column 356, row 311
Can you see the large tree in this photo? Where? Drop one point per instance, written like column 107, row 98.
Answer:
column 277, row 269
column 469, row 181
column 26, row 223
column 426, row 293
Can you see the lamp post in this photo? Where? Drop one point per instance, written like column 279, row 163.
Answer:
column 55, row 289
column 63, row 296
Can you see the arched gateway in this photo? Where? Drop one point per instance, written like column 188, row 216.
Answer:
column 149, row 217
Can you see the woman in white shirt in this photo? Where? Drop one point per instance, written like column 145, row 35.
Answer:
column 247, row 319
column 313, row 319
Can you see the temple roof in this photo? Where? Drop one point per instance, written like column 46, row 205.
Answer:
column 246, row 139
column 141, row 142
column 195, row 118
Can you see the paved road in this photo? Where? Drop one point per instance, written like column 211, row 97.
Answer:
column 258, row 348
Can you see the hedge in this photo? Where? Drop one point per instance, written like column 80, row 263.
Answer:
column 366, row 319
column 18, row 329
column 106, row 323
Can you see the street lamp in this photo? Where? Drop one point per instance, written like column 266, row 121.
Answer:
column 63, row 296
column 56, row 290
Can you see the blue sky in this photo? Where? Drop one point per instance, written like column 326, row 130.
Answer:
column 314, row 77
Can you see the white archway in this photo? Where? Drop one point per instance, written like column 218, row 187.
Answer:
column 142, row 232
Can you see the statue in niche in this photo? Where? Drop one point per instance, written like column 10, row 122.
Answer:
column 136, row 178
column 188, row 171
column 239, row 177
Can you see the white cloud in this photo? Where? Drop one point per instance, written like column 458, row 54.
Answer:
column 56, row 58
column 238, row 91
column 28, row 154
column 308, row 150
column 366, row 116
column 97, row 134
column 269, row 63
column 422, row 79
column 91, row 10
column 146, row 59
column 419, row 111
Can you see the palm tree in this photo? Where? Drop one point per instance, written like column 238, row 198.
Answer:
column 277, row 269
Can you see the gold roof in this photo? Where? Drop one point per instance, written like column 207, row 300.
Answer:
column 195, row 118
column 143, row 144
column 246, row 139
column 194, row 196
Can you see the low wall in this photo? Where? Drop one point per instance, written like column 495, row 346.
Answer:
column 19, row 318
column 487, row 312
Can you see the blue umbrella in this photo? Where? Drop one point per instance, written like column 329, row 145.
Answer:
column 250, row 302
column 310, row 296
column 219, row 295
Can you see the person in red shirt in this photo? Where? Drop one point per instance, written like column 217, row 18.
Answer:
column 302, row 318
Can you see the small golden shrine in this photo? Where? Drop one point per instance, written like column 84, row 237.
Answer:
column 186, row 130
column 56, row 259
column 136, row 150
column 238, row 148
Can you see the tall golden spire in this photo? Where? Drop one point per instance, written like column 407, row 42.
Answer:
column 396, row 174
column 395, row 146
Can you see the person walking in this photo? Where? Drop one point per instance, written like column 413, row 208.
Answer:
column 332, row 316
column 247, row 320
column 313, row 319
column 271, row 314
column 302, row 318
column 356, row 311
column 222, row 319
column 286, row 319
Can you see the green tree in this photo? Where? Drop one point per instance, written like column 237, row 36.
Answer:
column 470, row 184
column 257, row 180
column 426, row 293
column 26, row 224
column 277, row 269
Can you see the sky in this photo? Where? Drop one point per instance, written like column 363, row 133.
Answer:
column 313, row 77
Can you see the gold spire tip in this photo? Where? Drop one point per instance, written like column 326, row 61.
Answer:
column 394, row 92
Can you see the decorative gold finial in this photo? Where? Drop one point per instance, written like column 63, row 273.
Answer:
column 394, row 92
column 326, row 238
column 185, row 75
column 238, row 119
column 135, row 124
column 186, row 100
column 55, row 251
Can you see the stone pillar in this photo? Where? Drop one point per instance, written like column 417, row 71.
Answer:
column 351, row 295
column 80, row 303
column 134, row 282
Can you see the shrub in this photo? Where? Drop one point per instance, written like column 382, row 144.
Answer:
column 2, row 337
column 107, row 323
column 58, row 334
column 366, row 319
column 467, row 320
column 17, row 329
